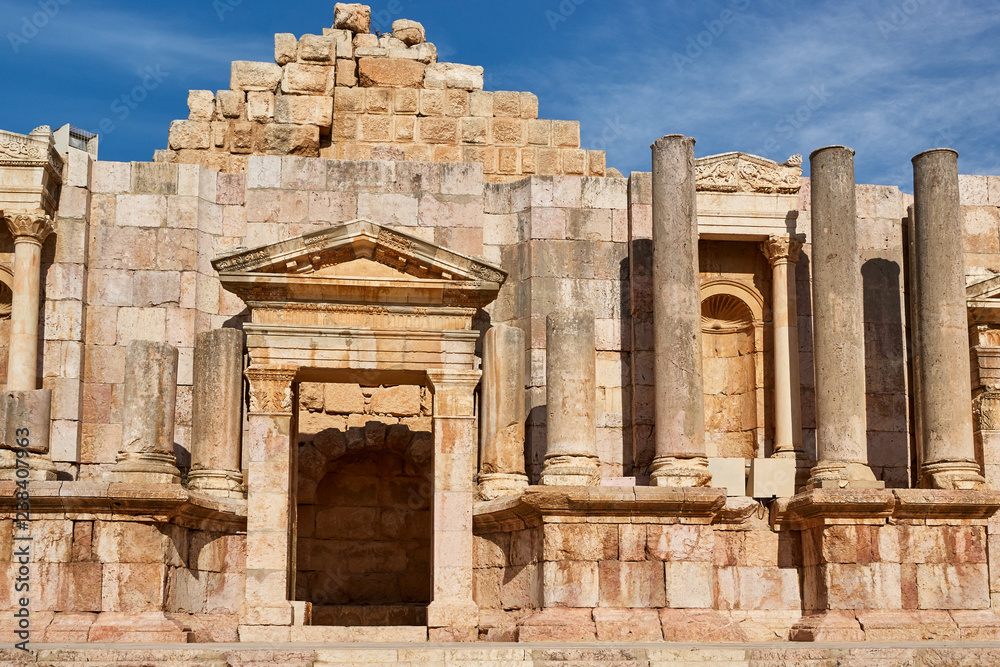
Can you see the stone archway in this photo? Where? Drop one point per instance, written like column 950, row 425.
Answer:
column 365, row 485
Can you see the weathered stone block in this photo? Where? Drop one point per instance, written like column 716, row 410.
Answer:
column 288, row 139
column 317, row 48
column 352, row 16
column 689, row 585
column 309, row 79
column 410, row 33
column 246, row 75
column 304, row 110
column 941, row 586
column 260, row 106
column 451, row 75
column 390, row 73
column 570, row 584
column 285, row 48
column 190, row 134
column 201, row 105
column 631, row 584
column 343, row 398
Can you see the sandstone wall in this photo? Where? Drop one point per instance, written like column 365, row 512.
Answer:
column 147, row 274
column 87, row 565
column 351, row 95
column 563, row 244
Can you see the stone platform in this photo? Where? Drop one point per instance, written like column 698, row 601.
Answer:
column 941, row 654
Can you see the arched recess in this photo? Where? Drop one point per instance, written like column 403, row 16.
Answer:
column 6, row 291
column 733, row 369
column 364, row 524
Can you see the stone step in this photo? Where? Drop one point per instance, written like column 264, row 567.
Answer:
column 485, row 655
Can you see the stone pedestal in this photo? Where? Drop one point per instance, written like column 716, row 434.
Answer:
column 271, row 499
column 571, row 400
column 947, row 448
column 501, row 470
column 216, row 425
column 782, row 253
column 150, row 396
column 24, row 427
column 453, row 615
column 878, row 564
column 29, row 231
column 680, row 455
column 838, row 326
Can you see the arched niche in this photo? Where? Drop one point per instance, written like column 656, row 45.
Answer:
column 733, row 369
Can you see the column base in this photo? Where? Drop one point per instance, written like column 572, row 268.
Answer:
column 145, row 468
column 843, row 475
column 684, row 472
column 40, row 468
column 223, row 483
column 952, row 475
column 571, row 471
column 500, row 485
column 803, row 466
column 453, row 621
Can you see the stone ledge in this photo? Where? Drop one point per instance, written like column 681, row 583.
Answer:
column 606, row 504
column 820, row 507
column 124, row 502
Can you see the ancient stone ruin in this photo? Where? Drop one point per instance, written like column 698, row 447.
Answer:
column 369, row 354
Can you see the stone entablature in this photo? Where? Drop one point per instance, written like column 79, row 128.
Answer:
column 742, row 172
column 31, row 170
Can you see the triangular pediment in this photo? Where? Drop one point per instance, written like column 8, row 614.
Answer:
column 355, row 263
column 982, row 294
column 321, row 252
column 742, row 172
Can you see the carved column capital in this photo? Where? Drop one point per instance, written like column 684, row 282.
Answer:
column 782, row 248
column 271, row 389
column 32, row 226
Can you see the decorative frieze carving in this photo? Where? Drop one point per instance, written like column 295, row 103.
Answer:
column 741, row 172
column 271, row 389
column 986, row 409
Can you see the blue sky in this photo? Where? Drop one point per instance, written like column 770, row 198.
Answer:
column 770, row 77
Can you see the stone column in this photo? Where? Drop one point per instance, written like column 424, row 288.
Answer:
column 501, row 471
column 271, row 471
column 150, row 397
column 453, row 615
column 571, row 400
column 24, row 425
column 948, row 459
column 783, row 252
column 679, row 433
column 29, row 231
column 838, row 326
column 216, row 425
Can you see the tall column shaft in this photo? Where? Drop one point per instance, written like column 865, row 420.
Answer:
column 501, row 470
column 571, row 400
column 680, row 455
column 783, row 252
column 29, row 230
column 216, row 426
column 453, row 614
column 150, row 398
column 838, row 325
column 947, row 448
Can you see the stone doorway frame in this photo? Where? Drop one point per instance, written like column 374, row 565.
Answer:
column 309, row 320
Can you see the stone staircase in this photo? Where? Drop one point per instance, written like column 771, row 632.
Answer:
column 506, row 655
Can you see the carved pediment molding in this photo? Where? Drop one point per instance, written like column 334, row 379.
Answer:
column 742, row 172
column 360, row 239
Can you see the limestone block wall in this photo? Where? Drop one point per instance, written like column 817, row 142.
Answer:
column 155, row 227
column 352, row 95
column 84, row 566
column 562, row 243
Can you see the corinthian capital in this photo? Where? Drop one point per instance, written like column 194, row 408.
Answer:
column 778, row 248
column 31, row 226
column 271, row 389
